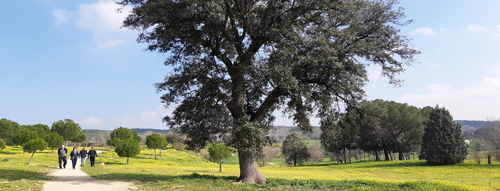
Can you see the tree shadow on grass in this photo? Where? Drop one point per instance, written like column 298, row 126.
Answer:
column 147, row 178
column 12, row 175
column 7, row 153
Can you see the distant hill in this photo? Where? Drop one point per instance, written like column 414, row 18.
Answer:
column 476, row 124
column 159, row 131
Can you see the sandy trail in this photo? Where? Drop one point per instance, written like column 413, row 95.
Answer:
column 75, row 179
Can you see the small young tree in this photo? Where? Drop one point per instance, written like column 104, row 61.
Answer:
column 218, row 152
column 316, row 152
column 33, row 146
column 295, row 149
column 54, row 140
column 128, row 148
column 2, row 145
column 155, row 141
column 443, row 142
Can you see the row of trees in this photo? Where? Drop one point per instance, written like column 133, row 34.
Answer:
column 38, row 137
column 394, row 127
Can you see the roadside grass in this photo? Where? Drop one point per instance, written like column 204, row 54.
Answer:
column 179, row 170
column 16, row 174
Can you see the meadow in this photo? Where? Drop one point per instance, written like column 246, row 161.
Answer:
column 186, row 170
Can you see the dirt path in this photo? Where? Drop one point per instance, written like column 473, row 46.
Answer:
column 69, row 179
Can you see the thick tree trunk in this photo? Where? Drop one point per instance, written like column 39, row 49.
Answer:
column 489, row 159
column 220, row 166
column 52, row 150
column 249, row 173
column 401, row 155
column 386, row 153
column 31, row 158
column 128, row 159
column 377, row 158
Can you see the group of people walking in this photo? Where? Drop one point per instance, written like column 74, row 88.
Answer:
column 74, row 155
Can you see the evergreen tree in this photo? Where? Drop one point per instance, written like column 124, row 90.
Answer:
column 54, row 140
column 218, row 152
column 33, row 146
column 156, row 141
column 443, row 142
column 295, row 149
column 67, row 128
column 8, row 129
column 121, row 134
column 128, row 148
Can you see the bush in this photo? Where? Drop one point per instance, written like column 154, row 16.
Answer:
column 179, row 146
column 2, row 144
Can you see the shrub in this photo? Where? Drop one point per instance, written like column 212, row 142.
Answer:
column 2, row 144
column 179, row 146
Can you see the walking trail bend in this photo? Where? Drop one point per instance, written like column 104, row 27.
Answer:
column 75, row 179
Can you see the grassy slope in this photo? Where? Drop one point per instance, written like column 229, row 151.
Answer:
column 176, row 170
column 16, row 174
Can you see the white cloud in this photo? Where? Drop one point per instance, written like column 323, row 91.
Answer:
column 111, row 43
column 477, row 102
column 476, row 28
column 61, row 16
column 424, row 31
column 438, row 87
column 101, row 18
column 90, row 122
column 149, row 116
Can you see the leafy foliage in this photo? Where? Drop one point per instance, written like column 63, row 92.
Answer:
column 24, row 136
column 174, row 138
column 33, row 146
column 121, row 134
column 67, row 128
column 54, row 140
column 2, row 145
column 79, row 138
column 295, row 149
column 236, row 62
column 7, row 130
column 155, row 141
column 443, row 142
column 218, row 152
column 128, row 148
column 41, row 130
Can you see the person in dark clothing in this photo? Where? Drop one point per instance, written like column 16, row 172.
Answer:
column 61, row 152
column 83, row 156
column 74, row 156
column 92, row 156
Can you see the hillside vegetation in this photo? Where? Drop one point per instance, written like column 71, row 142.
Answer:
column 180, row 170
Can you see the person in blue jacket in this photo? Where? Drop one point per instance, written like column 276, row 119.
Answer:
column 92, row 155
column 74, row 156
column 83, row 156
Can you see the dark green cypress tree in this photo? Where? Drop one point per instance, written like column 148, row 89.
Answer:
column 443, row 142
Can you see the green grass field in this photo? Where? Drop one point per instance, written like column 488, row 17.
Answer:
column 179, row 170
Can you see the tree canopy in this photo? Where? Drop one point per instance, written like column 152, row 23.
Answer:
column 128, row 148
column 120, row 134
column 7, row 130
column 218, row 152
column 295, row 149
column 67, row 128
column 155, row 141
column 443, row 142
column 24, row 136
column 54, row 140
column 33, row 146
column 235, row 62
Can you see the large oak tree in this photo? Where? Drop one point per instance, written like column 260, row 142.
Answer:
column 237, row 61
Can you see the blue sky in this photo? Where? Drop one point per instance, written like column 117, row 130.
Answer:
column 70, row 59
